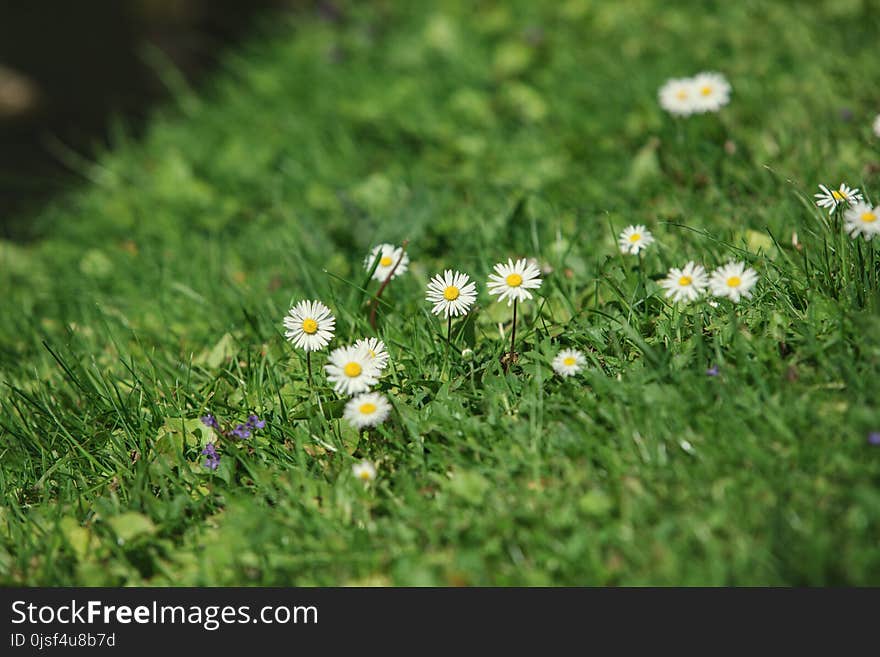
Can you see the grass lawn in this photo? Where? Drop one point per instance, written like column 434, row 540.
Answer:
column 477, row 131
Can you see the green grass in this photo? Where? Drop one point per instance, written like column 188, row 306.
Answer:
column 156, row 293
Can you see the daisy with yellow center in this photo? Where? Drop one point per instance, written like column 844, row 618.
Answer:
column 309, row 325
column 677, row 96
column 388, row 256
column 452, row 293
column 512, row 281
column 375, row 349
column 862, row 219
column 364, row 471
column 367, row 410
column 351, row 370
column 685, row 284
column 830, row 199
column 711, row 92
column 734, row 280
column 634, row 239
column 568, row 362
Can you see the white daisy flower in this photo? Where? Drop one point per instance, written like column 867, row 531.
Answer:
column 862, row 219
column 375, row 349
column 734, row 280
column 514, row 280
column 388, row 255
column 677, row 96
column 685, row 284
column 310, row 325
column 351, row 370
column 452, row 293
column 635, row 238
column 365, row 471
column 367, row 410
column 831, row 198
column 711, row 92
column 568, row 362
column 877, row 125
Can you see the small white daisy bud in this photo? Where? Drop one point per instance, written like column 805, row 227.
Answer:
column 467, row 354
column 634, row 239
column 365, row 471
column 367, row 410
column 388, row 255
column 568, row 362
column 734, row 280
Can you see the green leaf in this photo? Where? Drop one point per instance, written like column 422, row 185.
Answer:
column 221, row 352
column 128, row 526
column 77, row 537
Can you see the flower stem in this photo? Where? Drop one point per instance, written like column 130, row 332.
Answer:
column 309, row 366
column 385, row 284
column 513, row 334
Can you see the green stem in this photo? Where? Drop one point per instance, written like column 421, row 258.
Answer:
column 513, row 333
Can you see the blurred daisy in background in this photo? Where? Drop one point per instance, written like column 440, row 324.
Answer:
column 367, row 410
column 734, row 280
column 351, row 370
column 635, row 238
column 677, row 96
column 375, row 349
column 877, row 125
column 310, row 325
column 711, row 92
column 862, row 219
column 452, row 293
column 685, row 284
column 365, row 471
column 388, row 255
column 831, row 198
column 514, row 280
column 568, row 362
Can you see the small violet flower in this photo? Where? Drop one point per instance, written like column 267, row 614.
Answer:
column 241, row 431
column 210, row 421
column 874, row 438
column 712, row 371
column 212, row 462
column 255, row 423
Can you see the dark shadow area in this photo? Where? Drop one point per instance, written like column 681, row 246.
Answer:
column 66, row 68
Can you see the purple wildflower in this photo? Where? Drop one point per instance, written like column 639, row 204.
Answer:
column 210, row 421
column 241, row 431
column 874, row 438
column 712, row 371
column 255, row 423
column 212, row 462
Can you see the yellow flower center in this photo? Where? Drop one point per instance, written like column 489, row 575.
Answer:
column 837, row 196
column 365, row 475
column 734, row 281
column 869, row 217
column 569, row 361
column 310, row 326
column 451, row 293
column 352, row 369
column 681, row 94
column 705, row 91
column 514, row 280
column 386, row 261
column 684, row 281
column 635, row 237
column 367, row 409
